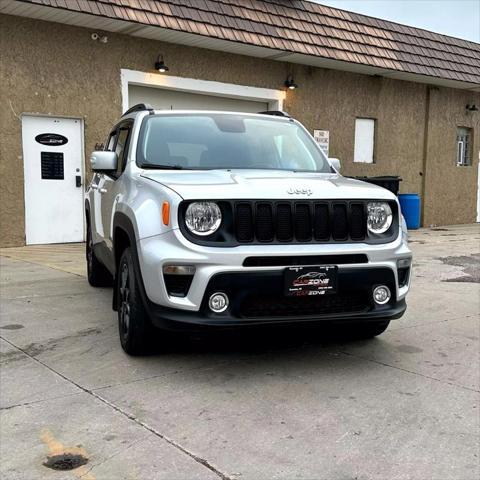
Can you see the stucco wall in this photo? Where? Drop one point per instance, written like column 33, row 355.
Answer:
column 451, row 191
column 56, row 69
column 332, row 100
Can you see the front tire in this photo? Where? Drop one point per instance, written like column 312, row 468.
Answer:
column 97, row 273
column 135, row 329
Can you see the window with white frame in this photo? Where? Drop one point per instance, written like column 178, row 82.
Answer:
column 464, row 146
column 364, row 151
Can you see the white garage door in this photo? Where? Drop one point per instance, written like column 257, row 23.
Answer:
column 162, row 99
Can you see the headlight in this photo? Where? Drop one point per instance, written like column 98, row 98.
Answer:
column 379, row 217
column 203, row 218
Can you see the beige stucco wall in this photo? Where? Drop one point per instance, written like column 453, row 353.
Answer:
column 56, row 69
column 451, row 191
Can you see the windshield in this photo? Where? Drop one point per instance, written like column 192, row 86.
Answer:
column 226, row 141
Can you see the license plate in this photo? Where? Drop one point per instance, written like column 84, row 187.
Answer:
column 307, row 281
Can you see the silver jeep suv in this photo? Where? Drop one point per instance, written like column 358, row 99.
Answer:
column 223, row 219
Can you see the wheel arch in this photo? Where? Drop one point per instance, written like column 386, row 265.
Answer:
column 87, row 211
column 123, row 237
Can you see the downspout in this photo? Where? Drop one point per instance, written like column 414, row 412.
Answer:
column 423, row 173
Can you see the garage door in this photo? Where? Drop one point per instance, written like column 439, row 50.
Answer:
column 162, row 99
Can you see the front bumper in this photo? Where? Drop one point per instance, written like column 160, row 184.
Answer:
column 257, row 298
column 221, row 269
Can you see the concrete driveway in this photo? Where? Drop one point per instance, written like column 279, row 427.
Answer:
column 305, row 406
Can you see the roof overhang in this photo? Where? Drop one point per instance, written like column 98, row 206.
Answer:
column 95, row 22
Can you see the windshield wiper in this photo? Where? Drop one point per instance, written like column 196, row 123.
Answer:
column 162, row 167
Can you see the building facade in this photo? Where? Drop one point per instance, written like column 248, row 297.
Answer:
column 80, row 78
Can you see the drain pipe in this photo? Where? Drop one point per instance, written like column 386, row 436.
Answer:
column 423, row 173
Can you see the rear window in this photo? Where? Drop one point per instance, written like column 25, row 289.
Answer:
column 226, row 141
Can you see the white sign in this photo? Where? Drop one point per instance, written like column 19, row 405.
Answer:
column 322, row 137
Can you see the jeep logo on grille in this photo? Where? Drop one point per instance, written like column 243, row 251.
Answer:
column 300, row 191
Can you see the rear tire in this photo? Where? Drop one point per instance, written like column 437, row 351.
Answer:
column 134, row 326
column 97, row 273
column 370, row 329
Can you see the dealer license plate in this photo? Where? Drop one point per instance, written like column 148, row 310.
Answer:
column 306, row 281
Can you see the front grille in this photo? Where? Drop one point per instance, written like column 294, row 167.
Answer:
column 301, row 221
column 255, row 306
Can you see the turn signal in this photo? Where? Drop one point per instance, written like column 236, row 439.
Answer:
column 166, row 213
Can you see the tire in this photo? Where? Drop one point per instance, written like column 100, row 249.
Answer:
column 371, row 329
column 97, row 273
column 134, row 326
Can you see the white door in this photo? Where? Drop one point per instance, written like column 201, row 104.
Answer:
column 53, row 172
column 163, row 99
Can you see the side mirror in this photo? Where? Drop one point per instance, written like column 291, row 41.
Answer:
column 103, row 161
column 335, row 163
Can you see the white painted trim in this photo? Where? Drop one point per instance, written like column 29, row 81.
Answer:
column 478, row 188
column 273, row 97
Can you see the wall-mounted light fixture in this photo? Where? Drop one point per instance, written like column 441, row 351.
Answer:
column 471, row 108
column 290, row 84
column 160, row 65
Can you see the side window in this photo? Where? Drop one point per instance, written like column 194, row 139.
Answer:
column 464, row 147
column 121, row 147
column 111, row 141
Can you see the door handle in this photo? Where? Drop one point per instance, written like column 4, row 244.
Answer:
column 102, row 190
column 78, row 181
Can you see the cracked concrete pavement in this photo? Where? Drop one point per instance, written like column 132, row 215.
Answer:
column 284, row 405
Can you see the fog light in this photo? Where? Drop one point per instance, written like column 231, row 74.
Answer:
column 218, row 302
column 381, row 294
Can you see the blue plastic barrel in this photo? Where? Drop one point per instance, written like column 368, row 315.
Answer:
column 410, row 205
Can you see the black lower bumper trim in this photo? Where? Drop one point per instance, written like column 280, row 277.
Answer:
column 256, row 298
column 178, row 320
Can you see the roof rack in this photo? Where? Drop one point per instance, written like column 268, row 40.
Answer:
column 276, row 113
column 140, row 107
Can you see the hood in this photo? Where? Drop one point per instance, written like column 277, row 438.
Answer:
column 264, row 184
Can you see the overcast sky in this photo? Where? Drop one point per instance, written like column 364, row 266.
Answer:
column 458, row 18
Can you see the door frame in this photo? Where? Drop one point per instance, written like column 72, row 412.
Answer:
column 274, row 98
column 478, row 188
column 82, row 154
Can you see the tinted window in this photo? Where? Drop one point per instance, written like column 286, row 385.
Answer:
column 121, row 148
column 111, row 141
column 207, row 141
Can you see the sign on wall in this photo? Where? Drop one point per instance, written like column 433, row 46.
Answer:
column 52, row 165
column 322, row 137
column 51, row 139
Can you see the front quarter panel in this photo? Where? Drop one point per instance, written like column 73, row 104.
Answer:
column 143, row 206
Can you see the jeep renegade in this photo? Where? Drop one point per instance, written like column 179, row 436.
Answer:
column 229, row 219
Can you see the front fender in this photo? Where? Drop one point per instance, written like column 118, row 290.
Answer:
column 143, row 206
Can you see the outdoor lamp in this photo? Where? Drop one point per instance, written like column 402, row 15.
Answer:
column 160, row 64
column 290, row 84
